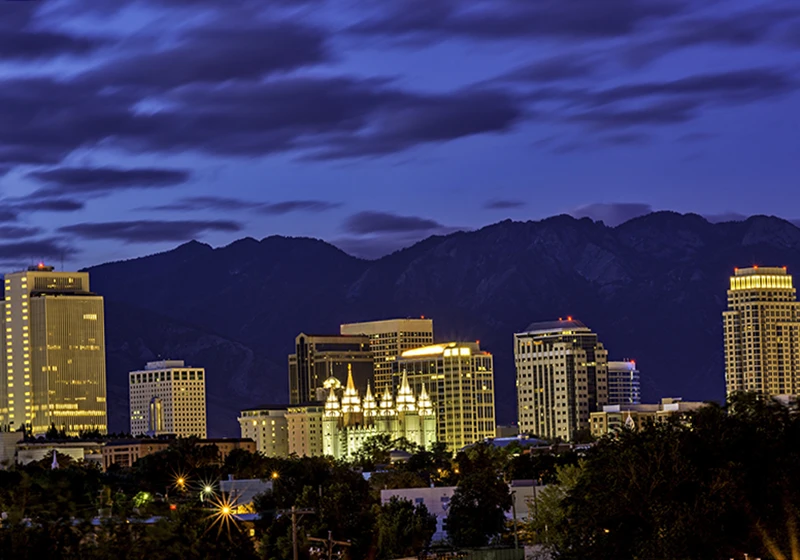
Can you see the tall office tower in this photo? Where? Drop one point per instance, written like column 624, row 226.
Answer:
column 320, row 357
column 762, row 333
column 3, row 375
column 388, row 339
column 168, row 397
column 562, row 377
column 268, row 427
column 623, row 383
column 55, row 363
column 459, row 378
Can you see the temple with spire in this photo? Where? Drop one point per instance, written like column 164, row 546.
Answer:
column 348, row 421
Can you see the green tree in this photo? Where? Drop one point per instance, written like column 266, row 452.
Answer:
column 476, row 513
column 403, row 529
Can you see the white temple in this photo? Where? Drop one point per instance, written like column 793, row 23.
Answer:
column 349, row 421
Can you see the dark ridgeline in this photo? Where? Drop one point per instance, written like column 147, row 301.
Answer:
column 653, row 289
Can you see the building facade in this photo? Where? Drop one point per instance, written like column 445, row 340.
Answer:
column 268, row 427
column 459, row 377
column 54, row 364
column 762, row 333
column 124, row 453
column 168, row 397
column 562, row 377
column 320, row 357
column 623, row 383
column 348, row 422
column 304, row 425
column 388, row 339
column 614, row 418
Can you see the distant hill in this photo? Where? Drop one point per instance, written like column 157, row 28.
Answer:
column 653, row 288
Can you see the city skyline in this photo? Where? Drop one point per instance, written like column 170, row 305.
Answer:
column 148, row 124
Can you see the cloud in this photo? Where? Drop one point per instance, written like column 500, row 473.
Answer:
column 103, row 180
column 365, row 223
column 149, row 231
column 731, row 86
column 36, row 203
column 8, row 214
column 285, row 207
column 323, row 117
column 35, row 249
column 17, row 232
column 555, row 69
column 499, row 204
column 218, row 54
column 725, row 217
column 195, row 203
column 372, row 248
column 516, row 19
column 660, row 113
column 25, row 45
column 612, row 214
column 411, row 120
column 738, row 29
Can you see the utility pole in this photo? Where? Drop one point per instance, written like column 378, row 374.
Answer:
column 330, row 543
column 514, row 513
column 296, row 514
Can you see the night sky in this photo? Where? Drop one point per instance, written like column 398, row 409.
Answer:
column 128, row 127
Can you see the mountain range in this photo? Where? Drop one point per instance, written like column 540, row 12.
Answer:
column 653, row 288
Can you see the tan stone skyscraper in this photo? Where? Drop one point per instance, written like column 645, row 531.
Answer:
column 388, row 339
column 55, row 363
column 762, row 333
column 562, row 377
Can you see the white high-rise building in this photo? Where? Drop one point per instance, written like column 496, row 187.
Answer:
column 762, row 333
column 562, row 377
column 168, row 397
column 54, row 362
column 623, row 383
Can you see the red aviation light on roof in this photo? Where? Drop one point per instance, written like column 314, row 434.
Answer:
column 755, row 267
column 41, row 265
column 569, row 317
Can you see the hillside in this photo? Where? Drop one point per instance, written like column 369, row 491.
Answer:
column 653, row 288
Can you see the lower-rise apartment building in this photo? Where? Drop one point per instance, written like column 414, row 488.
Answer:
column 614, row 418
column 268, row 427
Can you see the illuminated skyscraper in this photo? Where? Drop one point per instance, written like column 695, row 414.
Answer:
column 168, row 397
column 459, row 377
column 54, row 365
column 562, row 377
column 388, row 339
column 762, row 333
column 321, row 357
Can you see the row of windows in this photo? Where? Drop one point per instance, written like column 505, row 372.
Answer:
column 150, row 376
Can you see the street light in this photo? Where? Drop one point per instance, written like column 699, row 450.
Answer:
column 275, row 475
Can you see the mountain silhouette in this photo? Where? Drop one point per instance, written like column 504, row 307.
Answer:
column 653, row 289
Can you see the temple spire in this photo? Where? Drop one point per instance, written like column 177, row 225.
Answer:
column 351, row 403
column 370, row 405
column 405, row 396
column 332, row 408
column 424, row 403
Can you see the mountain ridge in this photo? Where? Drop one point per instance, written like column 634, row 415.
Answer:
column 652, row 288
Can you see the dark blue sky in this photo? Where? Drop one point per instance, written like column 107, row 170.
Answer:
column 129, row 126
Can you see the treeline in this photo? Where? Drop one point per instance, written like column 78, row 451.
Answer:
column 160, row 508
column 722, row 484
